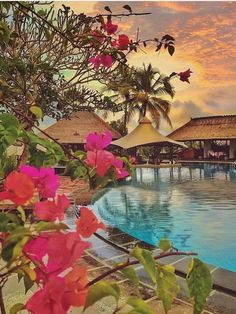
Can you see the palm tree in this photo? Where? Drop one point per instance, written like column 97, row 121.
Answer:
column 142, row 91
column 122, row 87
column 150, row 87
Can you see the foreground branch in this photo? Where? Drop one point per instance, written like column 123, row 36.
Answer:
column 128, row 263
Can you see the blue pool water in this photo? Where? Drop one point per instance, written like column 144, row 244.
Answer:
column 194, row 207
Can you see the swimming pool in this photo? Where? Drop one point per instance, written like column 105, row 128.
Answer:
column 193, row 206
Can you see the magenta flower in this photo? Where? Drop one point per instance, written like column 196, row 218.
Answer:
column 184, row 76
column 95, row 141
column 62, row 251
column 51, row 210
column 101, row 160
column 96, row 61
column 110, row 28
column 120, row 172
column 48, row 300
column 45, row 179
column 107, row 61
column 104, row 60
column 88, row 223
column 122, row 43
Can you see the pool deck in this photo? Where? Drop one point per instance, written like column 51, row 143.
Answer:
column 180, row 163
column 104, row 256
column 223, row 162
column 176, row 165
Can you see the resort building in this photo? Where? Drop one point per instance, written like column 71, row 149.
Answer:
column 211, row 137
column 72, row 132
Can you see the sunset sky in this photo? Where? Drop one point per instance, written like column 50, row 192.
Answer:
column 205, row 34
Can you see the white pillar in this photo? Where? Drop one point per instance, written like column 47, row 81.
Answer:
column 232, row 149
column 207, row 147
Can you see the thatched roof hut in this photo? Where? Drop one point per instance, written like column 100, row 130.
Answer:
column 144, row 134
column 207, row 128
column 75, row 129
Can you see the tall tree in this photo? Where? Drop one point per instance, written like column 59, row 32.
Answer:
column 47, row 56
column 141, row 91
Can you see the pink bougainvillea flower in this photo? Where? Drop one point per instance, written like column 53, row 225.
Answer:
column 88, row 223
column 95, row 141
column 36, row 247
column 104, row 60
column 184, row 76
column 110, row 28
column 55, row 252
column 101, row 160
column 45, row 179
column 122, row 43
column 120, row 172
column 96, row 61
column 75, row 292
column 51, row 210
column 48, row 300
column 107, row 61
column 63, row 250
column 18, row 187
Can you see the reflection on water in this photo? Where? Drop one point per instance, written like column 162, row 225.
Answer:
column 194, row 206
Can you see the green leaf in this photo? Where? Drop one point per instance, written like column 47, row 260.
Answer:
column 147, row 260
column 16, row 308
column 4, row 32
column 171, row 50
column 199, row 283
column 28, row 283
column 164, row 245
column 167, row 287
column 107, row 9
column 131, row 273
column 140, row 306
column 19, row 247
column 37, row 111
column 7, row 251
column 29, row 272
column 127, row 7
column 100, row 290
column 45, row 226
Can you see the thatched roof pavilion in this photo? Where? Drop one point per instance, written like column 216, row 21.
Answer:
column 208, row 129
column 73, row 131
column 215, row 127
column 145, row 134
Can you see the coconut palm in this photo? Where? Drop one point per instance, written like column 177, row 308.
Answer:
column 122, row 88
column 150, row 87
column 142, row 91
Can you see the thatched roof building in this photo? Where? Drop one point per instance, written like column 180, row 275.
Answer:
column 75, row 129
column 144, row 134
column 207, row 128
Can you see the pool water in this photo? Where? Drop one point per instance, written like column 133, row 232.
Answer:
column 193, row 206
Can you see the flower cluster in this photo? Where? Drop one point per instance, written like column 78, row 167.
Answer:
column 121, row 43
column 103, row 160
column 53, row 254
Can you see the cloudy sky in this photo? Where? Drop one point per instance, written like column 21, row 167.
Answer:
column 205, row 34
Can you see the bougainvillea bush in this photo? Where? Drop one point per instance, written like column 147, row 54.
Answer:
column 39, row 247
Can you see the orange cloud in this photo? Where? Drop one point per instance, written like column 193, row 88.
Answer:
column 177, row 6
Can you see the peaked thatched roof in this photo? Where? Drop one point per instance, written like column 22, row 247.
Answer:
column 75, row 129
column 214, row 128
column 144, row 134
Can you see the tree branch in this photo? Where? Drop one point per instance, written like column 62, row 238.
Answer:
column 128, row 263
